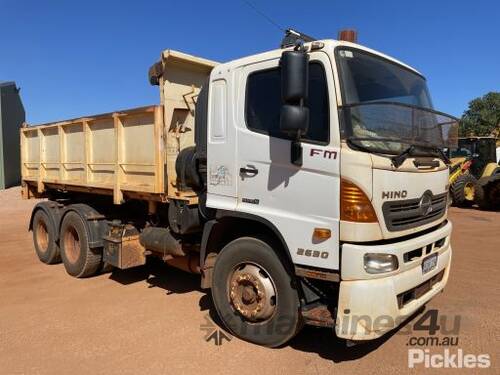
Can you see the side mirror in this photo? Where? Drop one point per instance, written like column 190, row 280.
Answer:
column 294, row 76
column 155, row 72
column 294, row 120
column 294, row 117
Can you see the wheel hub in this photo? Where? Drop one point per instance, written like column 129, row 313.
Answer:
column 469, row 191
column 42, row 237
column 72, row 245
column 248, row 296
column 252, row 292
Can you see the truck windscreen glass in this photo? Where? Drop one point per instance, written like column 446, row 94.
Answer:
column 387, row 108
column 393, row 127
column 366, row 78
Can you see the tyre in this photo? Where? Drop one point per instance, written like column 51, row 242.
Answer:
column 44, row 234
column 463, row 190
column 79, row 260
column 105, row 268
column 494, row 194
column 488, row 196
column 254, row 294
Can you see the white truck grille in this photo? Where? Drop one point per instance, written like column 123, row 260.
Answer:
column 410, row 213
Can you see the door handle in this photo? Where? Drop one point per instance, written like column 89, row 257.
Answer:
column 251, row 171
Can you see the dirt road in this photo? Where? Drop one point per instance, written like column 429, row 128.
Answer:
column 147, row 320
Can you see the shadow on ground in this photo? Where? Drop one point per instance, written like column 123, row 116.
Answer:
column 158, row 275
column 310, row 339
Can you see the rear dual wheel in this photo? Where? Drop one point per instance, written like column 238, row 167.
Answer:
column 44, row 234
column 79, row 260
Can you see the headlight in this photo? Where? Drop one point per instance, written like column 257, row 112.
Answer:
column 380, row 263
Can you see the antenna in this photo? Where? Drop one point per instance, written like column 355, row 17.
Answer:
column 263, row 15
column 292, row 37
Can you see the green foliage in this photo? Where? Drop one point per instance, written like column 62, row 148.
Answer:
column 483, row 117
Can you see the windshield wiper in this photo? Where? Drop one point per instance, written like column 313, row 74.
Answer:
column 443, row 155
column 400, row 158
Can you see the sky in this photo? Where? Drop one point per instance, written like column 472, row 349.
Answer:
column 76, row 58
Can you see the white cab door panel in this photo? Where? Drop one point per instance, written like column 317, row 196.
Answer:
column 296, row 200
column 221, row 161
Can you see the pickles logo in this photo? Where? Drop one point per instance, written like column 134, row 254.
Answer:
column 447, row 359
column 214, row 333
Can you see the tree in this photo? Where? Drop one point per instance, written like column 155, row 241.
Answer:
column 483, row 117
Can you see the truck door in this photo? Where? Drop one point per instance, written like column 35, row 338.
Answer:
column 296, row 200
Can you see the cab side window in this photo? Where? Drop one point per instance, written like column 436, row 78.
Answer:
column 263, row 104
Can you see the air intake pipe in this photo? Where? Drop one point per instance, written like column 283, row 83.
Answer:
column 160, row 240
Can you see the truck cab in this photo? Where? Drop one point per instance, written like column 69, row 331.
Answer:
column 367, row 204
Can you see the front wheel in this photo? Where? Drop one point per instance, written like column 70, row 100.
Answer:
column 463, row 190
column 254, row 294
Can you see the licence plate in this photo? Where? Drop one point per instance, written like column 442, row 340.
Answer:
column 429, row 263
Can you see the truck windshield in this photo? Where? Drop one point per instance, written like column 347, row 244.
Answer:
column 387, row 108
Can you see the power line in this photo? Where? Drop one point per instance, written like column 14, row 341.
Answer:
column 265, row 16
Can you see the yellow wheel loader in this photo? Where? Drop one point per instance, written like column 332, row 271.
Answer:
column 475, row 173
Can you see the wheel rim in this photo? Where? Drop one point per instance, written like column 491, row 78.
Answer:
column 72, row 247
column 469, row 191
column 42, row 237
column 252, row 292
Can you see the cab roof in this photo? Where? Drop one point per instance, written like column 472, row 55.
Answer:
column 329, row 44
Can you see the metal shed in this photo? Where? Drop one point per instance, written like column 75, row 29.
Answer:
column 11, row 118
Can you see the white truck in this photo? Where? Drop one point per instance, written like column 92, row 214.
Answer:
column 305, row 184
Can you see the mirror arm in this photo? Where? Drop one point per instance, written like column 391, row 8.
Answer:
column 296, row 152
column 296, row 147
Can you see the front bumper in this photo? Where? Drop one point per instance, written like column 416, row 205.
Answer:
column 372, row 305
